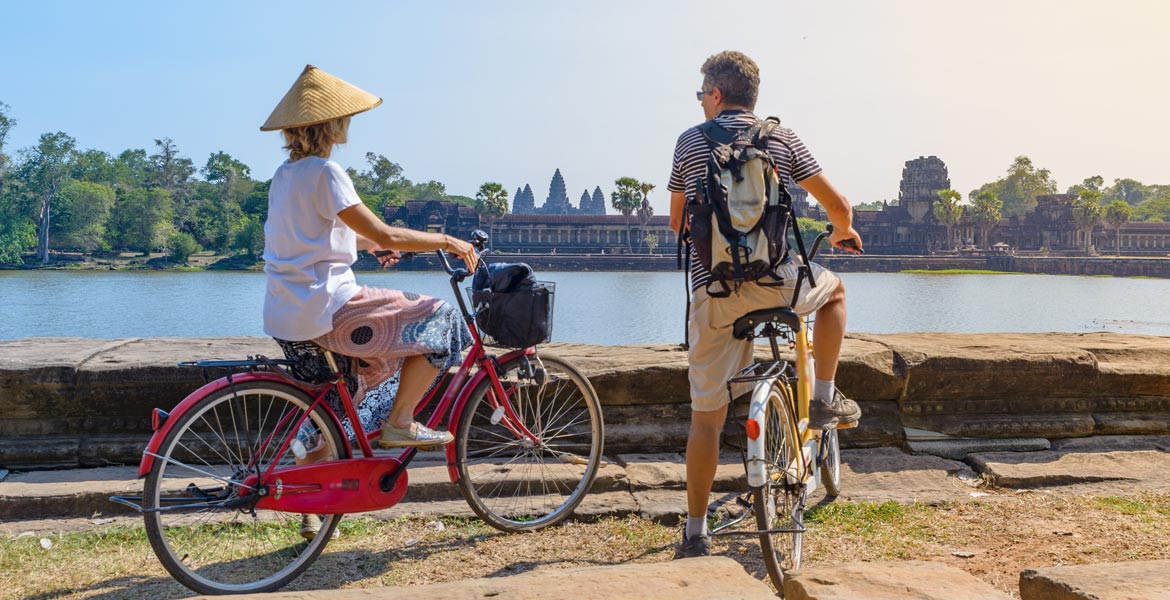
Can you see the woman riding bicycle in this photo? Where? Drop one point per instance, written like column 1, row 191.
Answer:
column 401, row 342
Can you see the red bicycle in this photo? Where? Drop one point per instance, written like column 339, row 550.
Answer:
column 224, row 495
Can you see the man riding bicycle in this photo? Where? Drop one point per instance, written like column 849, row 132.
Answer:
column 728, row 97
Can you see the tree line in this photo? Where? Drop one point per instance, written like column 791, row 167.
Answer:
column 56, row 196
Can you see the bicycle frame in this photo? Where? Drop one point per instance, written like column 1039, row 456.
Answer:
column 299, row 488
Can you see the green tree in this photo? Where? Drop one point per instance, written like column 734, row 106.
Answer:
column 1117, row 214
column 1019, row 188
column 947, row 211
column 1154, row 209
column 491, row 202
column 182, row 245
column 627, row 198
column 169, row 170
column 18, row 232
column 132, row 168
column 222, row 167
column 82, row 211
column 985, row 212
column 1087, row 213
column 141, row 220
column 6, row 125
column 248, row 236
column 45, row 170
column 868, row 206
column 1130, row 191
column 1093, row 184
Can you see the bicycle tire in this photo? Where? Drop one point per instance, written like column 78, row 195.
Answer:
column 831, row 462
column 779, row 503
column 229, row 550
column 495, row 467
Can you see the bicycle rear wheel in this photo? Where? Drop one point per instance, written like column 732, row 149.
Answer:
column 513, row 483
column 201, row 520
column 779, row 503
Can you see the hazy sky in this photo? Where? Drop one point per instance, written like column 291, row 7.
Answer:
column 509, row 91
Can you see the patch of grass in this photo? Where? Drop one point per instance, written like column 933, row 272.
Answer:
column 1125, row 506
column 956, row 272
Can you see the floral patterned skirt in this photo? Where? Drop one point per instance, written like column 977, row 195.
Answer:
column 378, row 329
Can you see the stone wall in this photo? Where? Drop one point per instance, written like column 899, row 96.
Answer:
column 67, row 402
column 875, row 263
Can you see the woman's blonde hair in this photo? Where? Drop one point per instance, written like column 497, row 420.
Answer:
column 315, row 140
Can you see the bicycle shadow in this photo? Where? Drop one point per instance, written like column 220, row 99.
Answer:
column 331, row 570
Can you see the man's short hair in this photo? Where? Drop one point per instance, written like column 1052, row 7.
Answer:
column 736, row 76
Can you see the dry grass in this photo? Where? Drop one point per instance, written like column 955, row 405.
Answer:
column 1005, row 536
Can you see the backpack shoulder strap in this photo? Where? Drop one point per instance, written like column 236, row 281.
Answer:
column 716, row 134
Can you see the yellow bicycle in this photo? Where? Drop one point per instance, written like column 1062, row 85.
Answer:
column 784, row 457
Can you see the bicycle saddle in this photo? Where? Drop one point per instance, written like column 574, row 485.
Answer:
column 745, row 325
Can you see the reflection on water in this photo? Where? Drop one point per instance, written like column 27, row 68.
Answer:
column 600, row 308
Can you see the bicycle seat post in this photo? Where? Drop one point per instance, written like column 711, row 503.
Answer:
column 772, row 331
column 332, row 362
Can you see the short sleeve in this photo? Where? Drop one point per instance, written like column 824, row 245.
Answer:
column 802, row 164
column 336, row 191
column 677, row 183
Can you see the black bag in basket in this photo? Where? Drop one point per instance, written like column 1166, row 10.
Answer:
column 511, row 306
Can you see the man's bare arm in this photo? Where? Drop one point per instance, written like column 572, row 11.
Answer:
column 836, row 206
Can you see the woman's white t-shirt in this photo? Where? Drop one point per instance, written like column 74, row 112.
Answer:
column 307, row 249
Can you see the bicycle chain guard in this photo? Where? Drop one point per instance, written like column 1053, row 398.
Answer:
column 334, row 487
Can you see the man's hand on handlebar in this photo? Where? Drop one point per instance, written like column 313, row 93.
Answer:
column 846, row 239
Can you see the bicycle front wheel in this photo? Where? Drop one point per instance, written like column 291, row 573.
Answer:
column 779, row 503
column 831, row 462
column 517, row 483
column 201, row 518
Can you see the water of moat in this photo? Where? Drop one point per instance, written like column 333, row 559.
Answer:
column 598, row 308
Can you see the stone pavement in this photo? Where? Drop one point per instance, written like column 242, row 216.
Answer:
column 652, row 485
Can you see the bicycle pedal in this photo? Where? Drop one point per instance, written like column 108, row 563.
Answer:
column 848, row 425
column 744, row 500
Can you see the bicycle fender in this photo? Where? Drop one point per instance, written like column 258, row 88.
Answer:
column 156, row 440
column 461, row 400
column 756, row 462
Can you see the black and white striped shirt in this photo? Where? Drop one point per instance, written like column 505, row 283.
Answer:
column 690, row 162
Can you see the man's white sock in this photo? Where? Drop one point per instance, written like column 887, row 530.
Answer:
column 823, row 391
column 696, row 526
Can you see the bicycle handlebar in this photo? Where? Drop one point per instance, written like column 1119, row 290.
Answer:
column 848, row 243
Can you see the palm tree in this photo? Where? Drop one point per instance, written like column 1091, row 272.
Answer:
column 491, row 202
column 626, row 199
column 1117, row 214
column 1087, row 213
column 985, row 212
column 948, row 211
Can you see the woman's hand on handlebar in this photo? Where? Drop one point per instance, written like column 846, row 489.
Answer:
column 464, row 250
column 840, row 238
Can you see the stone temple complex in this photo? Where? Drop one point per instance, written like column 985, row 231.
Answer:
column 557, row 202
column 906, row 227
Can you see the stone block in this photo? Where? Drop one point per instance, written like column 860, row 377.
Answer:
column 1139, row 580
column 880, row 425
column 1069, row 465
column 907, row 580
column 959, row 448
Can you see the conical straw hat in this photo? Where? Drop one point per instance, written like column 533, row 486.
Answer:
column 317, row 97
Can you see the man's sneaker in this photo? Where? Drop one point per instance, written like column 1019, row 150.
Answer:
column 699, row 545
column 842, row 413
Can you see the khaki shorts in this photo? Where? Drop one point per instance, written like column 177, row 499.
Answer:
column 715, row 355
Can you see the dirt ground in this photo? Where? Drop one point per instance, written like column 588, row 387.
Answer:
column 992, row 538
